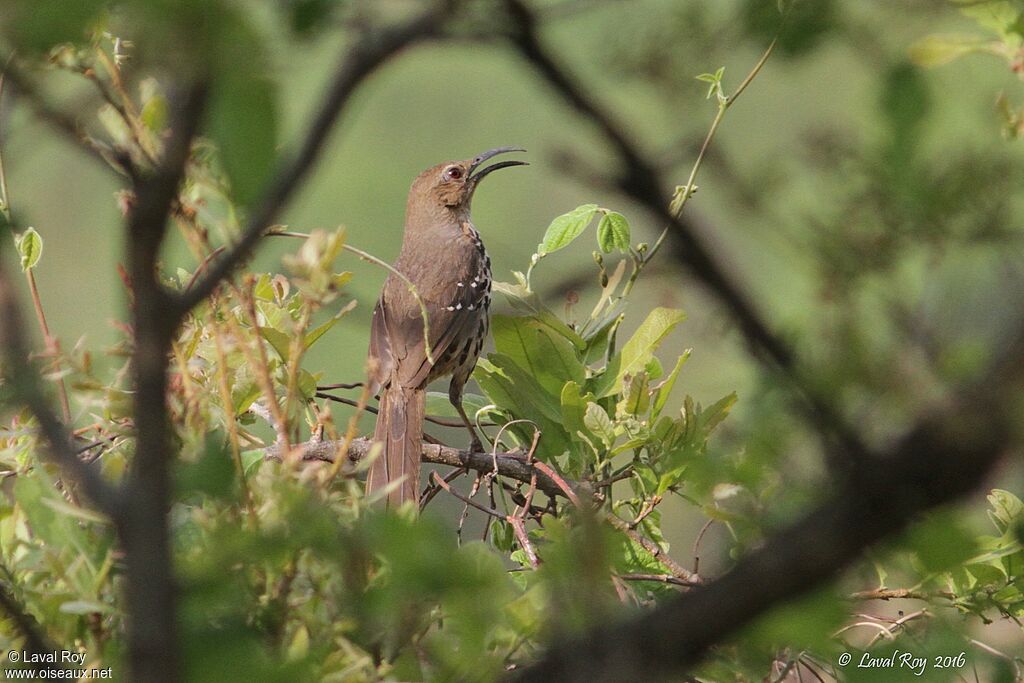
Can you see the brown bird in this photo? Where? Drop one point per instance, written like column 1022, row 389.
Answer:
column 444, row 257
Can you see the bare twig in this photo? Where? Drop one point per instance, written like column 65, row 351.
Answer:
column 370, row 258
column 438, row 481
column 512, row 465
column 901, row 594
column 59, row 120
column 696, row 544
column 660, row 578
column 353, row 423
column 678, row 571
column 52, row 345
column 897, row 625
column 441, row 421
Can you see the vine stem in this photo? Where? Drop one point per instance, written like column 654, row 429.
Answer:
column 51, row 342
column 684, row 192
column 367, row 256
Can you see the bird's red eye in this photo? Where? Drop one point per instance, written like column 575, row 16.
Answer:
column 453, row 173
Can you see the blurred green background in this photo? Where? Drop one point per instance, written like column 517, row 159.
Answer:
column 867, row 206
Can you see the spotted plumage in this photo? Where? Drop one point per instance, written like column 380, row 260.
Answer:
column 442, row 251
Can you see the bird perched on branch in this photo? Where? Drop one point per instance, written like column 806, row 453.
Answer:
column 444, row 262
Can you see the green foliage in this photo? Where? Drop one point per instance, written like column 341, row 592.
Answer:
column 29, row 245
column 1004, row 19
column 287, row 574
column 567, row 227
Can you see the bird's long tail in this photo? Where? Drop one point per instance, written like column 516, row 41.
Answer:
column 400, row 430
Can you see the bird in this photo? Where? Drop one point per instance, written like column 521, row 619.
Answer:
column 444, row 258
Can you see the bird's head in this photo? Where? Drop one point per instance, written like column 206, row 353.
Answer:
column 450, row 186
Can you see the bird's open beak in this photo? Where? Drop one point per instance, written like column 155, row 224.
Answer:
column 476, row 176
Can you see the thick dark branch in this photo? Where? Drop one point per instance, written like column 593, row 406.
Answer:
column 372, row 50
column 143, row 527
column 155, row 194
column 942, row 459
column 60, row 121
column 641, row 180
column 513, row 465
column 23, row 381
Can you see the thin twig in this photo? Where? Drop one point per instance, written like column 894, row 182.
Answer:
column 660, row 578
column 679, row 571
column 24, row 381
column 696, row 544
column 438, row 481
column 224, row 387
column 353, row 423
column 441, row 421
column 901, row 594
column 51, row 342
column 372, row 50
column 409, row 284
column 898, row 624
column 57, row 119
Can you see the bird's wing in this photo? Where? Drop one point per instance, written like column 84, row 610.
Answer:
column 380, row 347
column 397, row 338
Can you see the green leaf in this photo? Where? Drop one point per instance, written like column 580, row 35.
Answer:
column 546, row 356
column 307, row 382
column 30, row 248
column 1001, row 16
column 713, row 415
column 154, row 105
column 941, row 542
column 518, row 393
column 806, row 622
column 212, row 473
column 613, row 232
column 567, row 227
column 529, row 303
column 251, row 461
column 243, row 123
column 639, row 349
column 280, row 341
column 636, row 396
column 1006, row 510
column 313, row 335
column 936, row 50
column 307, row 16
column 573, row 408
column 600, row 425
column 663, row 390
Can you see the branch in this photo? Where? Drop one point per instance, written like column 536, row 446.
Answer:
column 372, row 50
column 143, row 527
column 901, row 594
column 513, row 465
column 62, row 122
column 942, row 459
column 24, row 382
